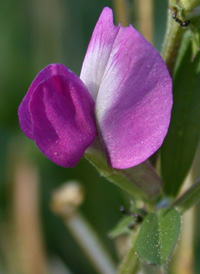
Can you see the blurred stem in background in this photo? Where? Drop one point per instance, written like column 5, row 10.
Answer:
column 122, row 12
column 145, row 18
column 183, row 261
column 48, row 23
column 7, row 249
column 29, row 241
column 130, row 263
column 65, row 202
column 196, row 173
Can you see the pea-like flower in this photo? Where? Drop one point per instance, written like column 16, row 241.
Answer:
column 123, row 97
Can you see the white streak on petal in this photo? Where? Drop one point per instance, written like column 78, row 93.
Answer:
column 98, row 52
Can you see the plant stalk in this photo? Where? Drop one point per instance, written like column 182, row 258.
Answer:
column 140, row 181
column 90, row 244
column 65, row 202
column 130, row 263
column 189, row 198
column 172, row 41
column 122, row 11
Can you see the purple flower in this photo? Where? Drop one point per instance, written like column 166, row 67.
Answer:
column 124, row 95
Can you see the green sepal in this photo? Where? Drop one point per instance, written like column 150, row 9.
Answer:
column 141, row 182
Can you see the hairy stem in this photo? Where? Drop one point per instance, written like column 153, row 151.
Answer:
column 189, row 198
column 172, row 41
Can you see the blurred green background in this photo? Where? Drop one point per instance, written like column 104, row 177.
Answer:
column 33, row 34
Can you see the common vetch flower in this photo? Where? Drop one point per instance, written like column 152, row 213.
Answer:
column 123, row 96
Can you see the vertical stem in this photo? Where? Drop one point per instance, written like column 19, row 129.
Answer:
column 26, row 220
column 122, row 12
column 65, row 202
column 90, row 244
column 145, row 18
column 57, row 266
column 183, row 262
column 172, row 42
column 130, row 264
column 184, row 259
column 47, row 31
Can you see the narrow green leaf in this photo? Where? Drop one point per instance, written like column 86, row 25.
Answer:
column 180, row 145
column 158, row 236
column 189, row 198
column 122, row 227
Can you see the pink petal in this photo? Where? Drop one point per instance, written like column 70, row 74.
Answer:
column 61, row 112
column 134, row 94
column 98, row 52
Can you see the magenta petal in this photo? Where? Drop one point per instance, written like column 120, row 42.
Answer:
column 134, row 99
column 23, row 110
column 61, row 112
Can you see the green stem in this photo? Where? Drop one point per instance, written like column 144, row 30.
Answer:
column 189, row 198
column 172, row 41
column 130, row 263
column 189, row 4
column 140, row 181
